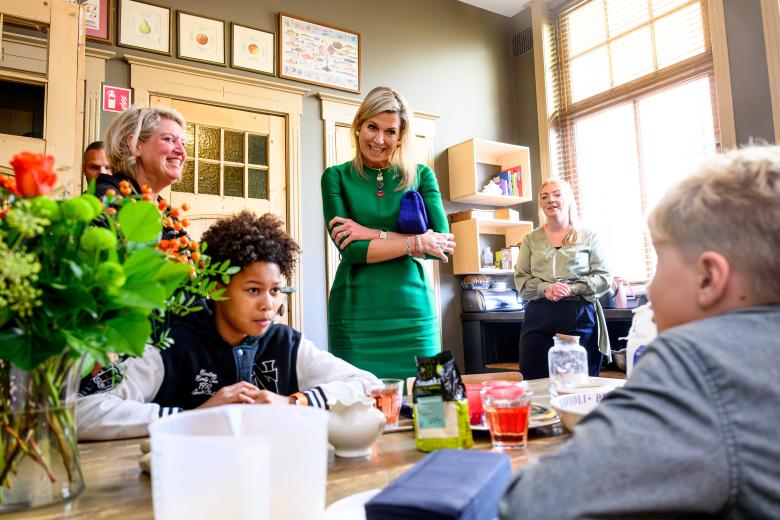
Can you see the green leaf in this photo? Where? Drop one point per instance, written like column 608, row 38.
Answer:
column 233, row 270
column 140, row 221
column 128, row 333
column 21, row 350
column 171, row 276
column 143, row 294
column 143, row 264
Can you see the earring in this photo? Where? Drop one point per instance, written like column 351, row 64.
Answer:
column 281, row 310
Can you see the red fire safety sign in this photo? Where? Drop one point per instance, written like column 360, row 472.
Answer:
column 116, row 99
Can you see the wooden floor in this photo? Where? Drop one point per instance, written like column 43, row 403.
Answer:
column 609, row 371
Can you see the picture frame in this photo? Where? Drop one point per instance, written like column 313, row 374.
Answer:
column 318, row 53
column 99, row 16
column 252, row 49
column 200, row 38
column 145, row 26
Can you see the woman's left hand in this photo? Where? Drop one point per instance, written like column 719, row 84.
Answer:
column 345, row 231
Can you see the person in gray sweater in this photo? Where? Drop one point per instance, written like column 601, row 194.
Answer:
column 693, row 433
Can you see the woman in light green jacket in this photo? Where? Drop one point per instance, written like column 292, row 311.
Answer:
column 561, row 272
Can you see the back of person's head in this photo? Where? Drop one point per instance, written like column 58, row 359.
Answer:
column 731, row 205
column 568, row 195
column 378, row 101
column 246, row 238
column 95, row 145
column 137, row 124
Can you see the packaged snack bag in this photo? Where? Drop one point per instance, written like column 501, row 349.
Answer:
column 441, row 412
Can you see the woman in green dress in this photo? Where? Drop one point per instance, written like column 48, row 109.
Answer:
column 381, row 309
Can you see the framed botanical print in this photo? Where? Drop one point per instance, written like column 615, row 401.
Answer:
column 252, row 49
column 318, row 53
column 200, row 38
column 145, row 26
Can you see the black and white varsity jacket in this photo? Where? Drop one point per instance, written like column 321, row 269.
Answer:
column 123, row 399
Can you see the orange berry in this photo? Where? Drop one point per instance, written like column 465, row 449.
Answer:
column 174, row 212
column 162, row 205
column 195, row 256
column 194, row 245
column 147, row 197
column 146, row 189
column 184, row 241
column 124, row 184
column 168, row 222
column 111, row 192
column 183, row 259
column 111, row 211
column 185, row 222
column 177, row 226
column 185, row 207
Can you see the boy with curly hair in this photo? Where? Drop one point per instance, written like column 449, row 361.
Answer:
column 229, row 352
column 692, row 434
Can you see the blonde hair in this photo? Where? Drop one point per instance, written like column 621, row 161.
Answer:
column 138, row 123
column 731, row 204
column 573, row 236
column 381, row 100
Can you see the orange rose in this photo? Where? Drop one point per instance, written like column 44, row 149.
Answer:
column 34, row 173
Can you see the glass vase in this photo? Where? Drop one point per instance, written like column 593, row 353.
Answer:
column 39, row 460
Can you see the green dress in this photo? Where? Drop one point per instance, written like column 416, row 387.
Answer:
column 380, row 316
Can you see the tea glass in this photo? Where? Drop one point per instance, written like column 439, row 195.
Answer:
column 388, row 395
column 475, row 404
column 507, row 409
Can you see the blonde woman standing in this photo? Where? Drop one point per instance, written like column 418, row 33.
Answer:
column 381, row 309
column 561, row 272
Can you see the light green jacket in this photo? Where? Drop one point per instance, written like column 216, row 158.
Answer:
column 583, row 265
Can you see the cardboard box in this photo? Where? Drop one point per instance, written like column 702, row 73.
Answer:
column 507, row 214
column 471, row 213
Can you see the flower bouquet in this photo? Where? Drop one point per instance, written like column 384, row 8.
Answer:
column 80, row 279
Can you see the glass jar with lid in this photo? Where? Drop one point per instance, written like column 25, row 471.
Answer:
column 568, row 363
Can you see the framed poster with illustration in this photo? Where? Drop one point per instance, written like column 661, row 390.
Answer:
column 99, row 20
column 145, row 26
column 317, row 53
column 252, row 49
column 201, row 39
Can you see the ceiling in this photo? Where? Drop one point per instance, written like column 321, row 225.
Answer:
column 505, row 7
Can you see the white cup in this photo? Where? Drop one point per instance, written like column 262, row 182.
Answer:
column 201, row 470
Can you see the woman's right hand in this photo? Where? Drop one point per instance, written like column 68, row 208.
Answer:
column 241, row 393
column 557, row 291
column 437, row 244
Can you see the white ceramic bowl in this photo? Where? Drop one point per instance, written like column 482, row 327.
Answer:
column 573, row 407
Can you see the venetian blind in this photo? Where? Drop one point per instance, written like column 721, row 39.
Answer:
column 634, row 112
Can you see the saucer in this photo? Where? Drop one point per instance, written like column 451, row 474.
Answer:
column 350, row 507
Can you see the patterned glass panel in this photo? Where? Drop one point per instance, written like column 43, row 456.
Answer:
column 189, row 140
column 258, row 149
column 234, row 181
column 258, row 184
column 208, row 178
column 187, row 182
column 234, row 146
column 208, row 143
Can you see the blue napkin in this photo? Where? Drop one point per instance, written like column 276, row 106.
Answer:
column 445, row 485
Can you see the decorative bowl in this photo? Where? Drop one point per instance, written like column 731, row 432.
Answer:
column 573, row 407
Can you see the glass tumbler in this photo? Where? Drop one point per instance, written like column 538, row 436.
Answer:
column 387, row 397
column 507, row 409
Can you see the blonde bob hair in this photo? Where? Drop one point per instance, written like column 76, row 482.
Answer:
column 137, row 123
column 731, row 205
column 573, row 235
column 382, row 100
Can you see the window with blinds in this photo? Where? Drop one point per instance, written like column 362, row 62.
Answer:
column 635, row 111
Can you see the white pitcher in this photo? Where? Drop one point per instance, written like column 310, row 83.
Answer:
column 354, row 425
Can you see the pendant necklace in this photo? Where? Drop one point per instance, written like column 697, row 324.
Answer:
column 380, row 183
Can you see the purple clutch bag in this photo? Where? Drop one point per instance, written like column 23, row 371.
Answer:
column 412, row 217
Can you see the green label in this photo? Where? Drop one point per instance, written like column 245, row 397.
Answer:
column 430, row 412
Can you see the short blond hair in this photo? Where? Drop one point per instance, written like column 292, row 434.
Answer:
column 138, row 123
column 573, row 236
column 378, row 101
column 731, row 205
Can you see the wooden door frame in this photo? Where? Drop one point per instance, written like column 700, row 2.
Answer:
column 339, row 111
column 154, row 77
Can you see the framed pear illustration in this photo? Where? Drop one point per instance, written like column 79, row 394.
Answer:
column 145, row 26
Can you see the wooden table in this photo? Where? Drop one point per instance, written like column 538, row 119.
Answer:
column 116, row 487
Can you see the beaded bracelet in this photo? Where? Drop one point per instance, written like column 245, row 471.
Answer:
column 420, row 251
column 409, row 251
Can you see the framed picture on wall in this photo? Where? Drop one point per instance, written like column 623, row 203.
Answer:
column 99, row 20
column 145, row 26
column 252, row 49
column 318, row 53
column 200, row 38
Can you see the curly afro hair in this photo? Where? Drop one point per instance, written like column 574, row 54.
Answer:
column 245, row 238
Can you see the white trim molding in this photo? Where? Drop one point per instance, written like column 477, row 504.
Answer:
column 770, row 14
column 722, row 72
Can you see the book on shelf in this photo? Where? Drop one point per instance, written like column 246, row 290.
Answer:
column 470, row 214
column 510, row 181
